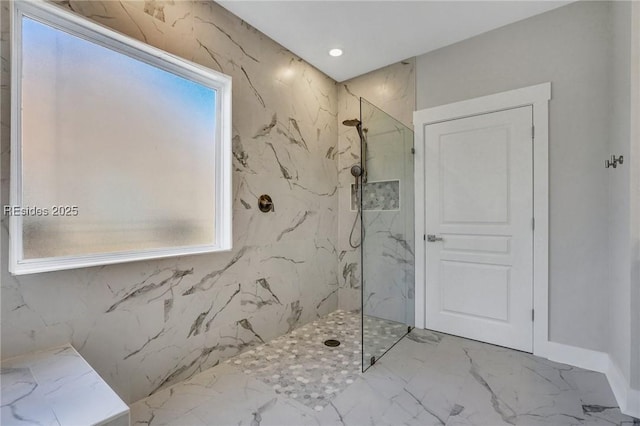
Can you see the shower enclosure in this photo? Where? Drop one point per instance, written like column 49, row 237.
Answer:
column 386, row 202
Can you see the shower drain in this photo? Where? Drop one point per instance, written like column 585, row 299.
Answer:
column 332, row 343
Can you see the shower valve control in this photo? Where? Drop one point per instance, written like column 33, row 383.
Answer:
column 432, row 238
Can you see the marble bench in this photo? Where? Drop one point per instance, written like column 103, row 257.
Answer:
column 57, row 387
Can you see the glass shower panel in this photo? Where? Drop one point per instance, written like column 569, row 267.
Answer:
column 387, row 232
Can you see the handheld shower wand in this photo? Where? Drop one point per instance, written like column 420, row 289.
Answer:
column 362, row 133
column 356, row 172
column 359, row 172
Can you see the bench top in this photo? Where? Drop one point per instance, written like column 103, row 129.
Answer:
column 56, row 387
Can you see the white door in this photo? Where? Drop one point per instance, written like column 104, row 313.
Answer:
column 479, row 201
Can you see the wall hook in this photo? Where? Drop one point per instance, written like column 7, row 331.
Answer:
column 614, row 161
column 265, row 204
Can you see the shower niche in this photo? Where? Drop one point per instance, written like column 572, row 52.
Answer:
column 383, row 195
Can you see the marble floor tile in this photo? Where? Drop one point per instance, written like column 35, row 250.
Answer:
column 376, row 402
column 298, row 365
column 593, row 387
column 379, row 335
column 427, row 378
column 219, row 396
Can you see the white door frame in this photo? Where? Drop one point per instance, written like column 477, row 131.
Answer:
column 538, row 97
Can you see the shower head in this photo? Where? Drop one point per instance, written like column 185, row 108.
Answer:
column 352, row 123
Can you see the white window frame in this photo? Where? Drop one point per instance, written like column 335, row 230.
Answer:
column 79, row 26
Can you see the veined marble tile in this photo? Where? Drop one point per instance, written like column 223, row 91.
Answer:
column 147, row 325
column 388, row 295
column 126, row 18
column 21, row 401
column 428, row 378
column 593, row 387
column 378, row 335
column 301, row 367
column 510, row 387
column 377, row 401
column 221, row 395
column 409, row 358
column 54, row 387
column 349, row 299
column 350, row 268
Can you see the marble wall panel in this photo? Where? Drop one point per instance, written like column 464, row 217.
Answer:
column 146, row 325
column 392, row 89
column 389, row 235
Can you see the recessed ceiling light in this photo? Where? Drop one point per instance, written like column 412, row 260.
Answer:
column 335, row 52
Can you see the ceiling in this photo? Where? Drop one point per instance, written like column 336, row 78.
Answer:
column 374, row 34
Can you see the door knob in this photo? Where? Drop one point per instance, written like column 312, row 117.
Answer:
column 432, row 238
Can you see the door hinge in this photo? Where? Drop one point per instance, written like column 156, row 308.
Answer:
column 413, row 150
column 533, row 223
column 424, row 237
column 533, row 315
column 533, row 132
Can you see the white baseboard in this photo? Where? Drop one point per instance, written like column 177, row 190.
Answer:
column 628, row 399
column 633, row 405
column 573, row 355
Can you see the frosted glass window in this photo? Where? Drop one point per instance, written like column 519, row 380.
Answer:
column 122, row 152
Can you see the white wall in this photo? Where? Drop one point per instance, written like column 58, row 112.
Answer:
column 571, row 48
